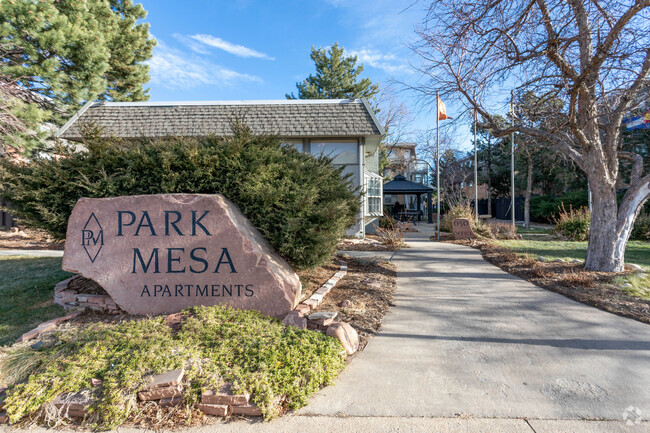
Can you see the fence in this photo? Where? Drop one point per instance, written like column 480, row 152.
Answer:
column 501, row 208
column 6, row 220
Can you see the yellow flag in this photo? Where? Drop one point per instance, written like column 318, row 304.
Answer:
column 442, row 110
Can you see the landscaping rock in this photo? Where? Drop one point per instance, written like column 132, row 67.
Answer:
column 635, row 267
column 164, row 385
column 213, row 409
column 160, row 393
column 346, row 334
column 294, row 318
column 576, row 261
column 345, row 303
column 4, row 419
column 302, row 309
column 247, row 410
column 541, row 259
column 172, row 401
column 225, row 396
column 37, row 345
column 95, row 383
column 73, row 403
column 559, row 260
column 323, row 315
column 169, row 378
column 166, row 233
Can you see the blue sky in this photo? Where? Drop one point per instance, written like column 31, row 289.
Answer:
column 254, row 49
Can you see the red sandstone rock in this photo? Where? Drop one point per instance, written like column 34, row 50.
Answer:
column 462, row 229
column 96, row 383
column 248, row 410
column 166, row 379
column 73, row 404
column 4, row 419
column 213, row 409
column 160, row 393
column 302, row 309
column 293, row 318
column 224, row 396
column 162, row 253
column 173, row 401
column 346, row 334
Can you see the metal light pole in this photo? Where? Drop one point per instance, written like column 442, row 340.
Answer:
column 512, row 157
column 437, row 168
column 475, row 173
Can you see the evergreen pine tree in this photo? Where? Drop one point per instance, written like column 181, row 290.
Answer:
column 66, row 52
column 337, row 77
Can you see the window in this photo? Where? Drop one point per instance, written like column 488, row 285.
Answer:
column 374, row 184
column 343, row 152
column 407, row 154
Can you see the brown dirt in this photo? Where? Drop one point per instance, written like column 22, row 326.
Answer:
column 27, row 239
column 312, row 279
column 370, row 243
column 368, row 304
column 569, row 279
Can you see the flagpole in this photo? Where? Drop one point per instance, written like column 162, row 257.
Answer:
column 437, row 167
column 475, row 173
column 512, row 158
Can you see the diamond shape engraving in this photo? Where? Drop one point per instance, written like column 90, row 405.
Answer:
column 92, row 237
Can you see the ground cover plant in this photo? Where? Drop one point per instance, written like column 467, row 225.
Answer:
column 280, row 366
column 27, row 290
column 300, row 203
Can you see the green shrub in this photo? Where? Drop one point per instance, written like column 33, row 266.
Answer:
column 300, row 203
column 641, row 230
column 546, row 208
column 257, row 354
column 574, row 224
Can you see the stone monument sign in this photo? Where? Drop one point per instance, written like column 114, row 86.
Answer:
column 462, row 229
column 162, row 253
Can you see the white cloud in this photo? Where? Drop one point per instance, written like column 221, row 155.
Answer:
column 238, row 50
column 173, row 69
column 389, row 63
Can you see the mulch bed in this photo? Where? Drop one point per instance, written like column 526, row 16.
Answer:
column 569, row 279
column 369, row 243
column 27, row 239
column 312, row 279
column 363, row 296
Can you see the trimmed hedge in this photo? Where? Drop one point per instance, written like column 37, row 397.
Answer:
column 300, row 203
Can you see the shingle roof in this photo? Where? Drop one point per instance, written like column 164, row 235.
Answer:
column 400, row 185
column 295, row 118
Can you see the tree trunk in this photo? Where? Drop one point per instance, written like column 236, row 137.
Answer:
column 529, row 192
column 602, row 254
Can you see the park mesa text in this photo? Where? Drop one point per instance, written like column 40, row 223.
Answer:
column 145, row 263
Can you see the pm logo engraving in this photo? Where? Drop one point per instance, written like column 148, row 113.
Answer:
column 92, row 237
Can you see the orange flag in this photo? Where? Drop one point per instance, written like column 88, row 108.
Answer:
column 442, row 110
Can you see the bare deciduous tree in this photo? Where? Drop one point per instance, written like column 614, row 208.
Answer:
column 592, row 54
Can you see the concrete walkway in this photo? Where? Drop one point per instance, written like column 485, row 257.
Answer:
column 466, row 339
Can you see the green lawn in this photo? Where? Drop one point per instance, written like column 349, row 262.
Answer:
column 27, row 290
column 534, row 230
column 637, row 251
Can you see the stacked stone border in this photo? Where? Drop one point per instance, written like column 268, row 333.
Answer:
column 303, row 318
column 71, row 299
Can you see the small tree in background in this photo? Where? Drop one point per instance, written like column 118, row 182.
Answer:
column 337, row 77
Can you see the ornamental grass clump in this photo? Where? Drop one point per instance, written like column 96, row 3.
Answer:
column 279, row 366
column 573, row 224
column 300, row 203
